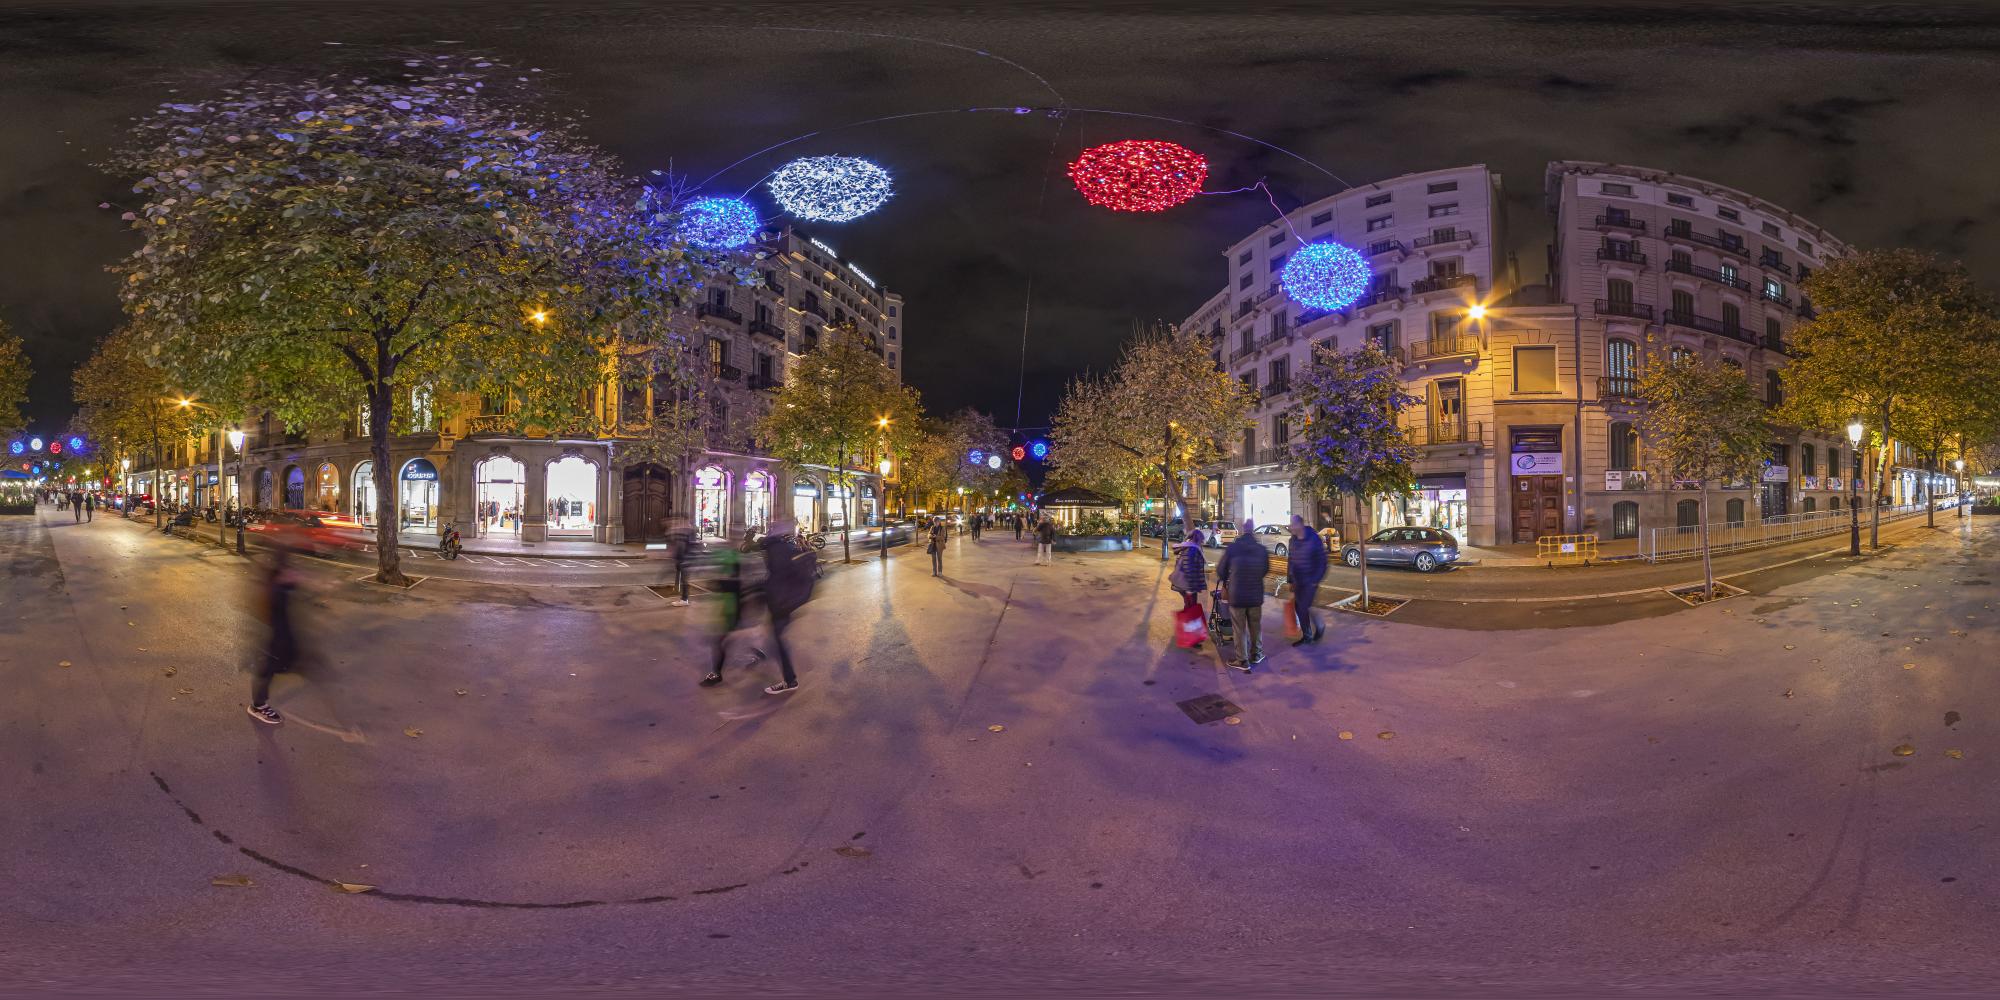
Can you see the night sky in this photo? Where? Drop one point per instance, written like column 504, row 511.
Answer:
column 1878, row 121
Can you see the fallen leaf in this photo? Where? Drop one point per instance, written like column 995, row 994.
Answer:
column 169, row 672
column 996, row 728
column 62, row 663
column 1903, row 750
column 1232, row 721
column 353, row 887
column 1788, row 692
column 1955, row 754
column 413, row 732
column 185, row 691
column 232, row 881
column 850, row 851
column 1789, row 646
column 463, row 691
column 1385, row 735
column 1909, row 666
column 1345, row 735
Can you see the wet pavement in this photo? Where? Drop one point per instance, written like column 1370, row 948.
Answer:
column 1712, row 798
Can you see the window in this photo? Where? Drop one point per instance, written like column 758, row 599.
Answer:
column 1774, row 393
column 1243, row 258
column 1728, row 272
column 718, row 355
column 1249, row 380
column 1249, row 444
column 892, row 333
column 1281, row 432
column 1383, row 335
column 492, row 404
column 1444, row 328
column 1733, row 511
column 1731, row 314
column 1617, row 215
column 1683, row 302
column 1681, row 200
column 1728, row 213
column 1322, row 219
column 1621, row 363
column 1680, row 260
column 1277, row 261
column 1248, row 339
column 1729, row 362
column 1774, row 335
column 1445, row 234
column 892, row 359
column 1618, row 292
column 1440, row 211
column 1808, row 459
column 1769, row 229
column 1811, row 505
column 1442, row 187
column 1677, row 354
column 1448, row 410
column 1625, row 519
column 1535, row 369
column 1687, row 514
column 1616, row 190
column 1281, row 371
column 1276, row 238
column 1805, row 247
column 1624, row 446
column 1377, row 199
column 1244, row 283
column 1833, row 503
column 1380, row 222
column 1447, row 268
column 1243, row 307
column 1773, row 290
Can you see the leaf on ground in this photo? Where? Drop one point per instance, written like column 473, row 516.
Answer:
column 169, row 672
column 62, row 663
column 850, row 851
column 1788, row 692
column 1909, row 666
column 1345, row 735
column 1385, row 735
column 1903, row 750
column 1955, row 754
column 185, row 691
column 352, row 887
column 232, row 881
column 462, row 692
column 413, row 732
column 996, row 728
column 1232, row 721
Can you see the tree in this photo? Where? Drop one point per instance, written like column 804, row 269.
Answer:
column 1890, row 326
column 1959, row 405
column 14, row 372
column 332, row 245
column 838, row 399
column 1701, row 423
column 125, row 402
column 1349, row 440
column 1164, row 409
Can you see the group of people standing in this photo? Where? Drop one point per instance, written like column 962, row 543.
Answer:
column 1044, row 528
column 1240, row 572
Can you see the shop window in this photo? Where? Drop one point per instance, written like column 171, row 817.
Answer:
column 1732, row 512
column 1808, row 461
column 1687, row 514
column 1624, row 446
column 1535, row 369
column 1625, row 519
column 1811, row 504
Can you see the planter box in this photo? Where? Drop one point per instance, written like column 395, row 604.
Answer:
column 1093, row 543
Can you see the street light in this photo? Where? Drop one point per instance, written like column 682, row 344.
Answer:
column 1958, row 468
column 1854, row 498
column 1476, row 311
column 236, row 442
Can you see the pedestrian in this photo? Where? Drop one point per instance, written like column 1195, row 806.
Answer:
column 732, row 584
column 938, row 534
column 680, row 543
column 1305, row 567
column 1045, row 542
column 1241, row 571
column 977, row 520
column 1190, row 576
column 89, row 507
column 76, row 506
column 281, row 643
column 789, row 571
column 1018, row 521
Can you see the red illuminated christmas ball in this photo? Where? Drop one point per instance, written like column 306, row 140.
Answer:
column 1139, row 175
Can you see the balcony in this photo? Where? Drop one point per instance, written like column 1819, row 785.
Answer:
column 1778, row 344
column 1620, row 222
column 1442, row 282
column 766, row 328
column 1380, row 247
column 1455, row 345
column 1620, row 254
column 1806, row 310
column 777, row 287
column 1277, row 387
column 727, row 373
column 718, row 311
column 1276, row 454
column 1619, row 307
column 1378, row 295
column 1618, row 387
column 1780, row 298
column 491, row 423
column 1724, row 244
column 812, row 308
column 1243, row 351
column 1707, row 274
column 1709, row 325
column 1772, row 262
column 1443, row 237
column 1444, row 432
column 766, row 382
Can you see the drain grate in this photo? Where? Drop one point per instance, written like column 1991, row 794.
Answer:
column 1207, row 708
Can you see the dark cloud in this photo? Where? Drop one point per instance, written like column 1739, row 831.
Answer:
column 1835, row 110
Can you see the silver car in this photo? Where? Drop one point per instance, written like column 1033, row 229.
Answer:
column 1425, row 549
column 1276, row 537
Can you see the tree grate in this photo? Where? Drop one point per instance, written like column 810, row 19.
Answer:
column 1208, row 708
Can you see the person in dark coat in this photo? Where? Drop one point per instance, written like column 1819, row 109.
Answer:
column 1241, row 571
column 89, row 507
column 680, row 543
column 1191, row 572
column 281, row 644
column 788, row 584
column 1045, row 542
column 1305, row 567
column 935, row 547
column 1019, row 521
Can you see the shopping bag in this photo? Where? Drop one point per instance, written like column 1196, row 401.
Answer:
column 1190, row 630
column 1292, row 618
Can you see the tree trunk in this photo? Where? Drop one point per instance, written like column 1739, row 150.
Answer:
column 846, row 508
column 1707, row 564
column 1874, row 498
column 388, row 559
column 1930, row 508
column 1362, row 516
column 1172, row 495
column 156, row 476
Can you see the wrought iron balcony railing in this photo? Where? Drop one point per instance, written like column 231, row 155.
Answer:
column 1620, row 307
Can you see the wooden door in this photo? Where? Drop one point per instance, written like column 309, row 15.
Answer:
column 1538, row 507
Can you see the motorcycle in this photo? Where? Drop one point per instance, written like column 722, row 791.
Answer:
column 811, row 539
column 448, row 544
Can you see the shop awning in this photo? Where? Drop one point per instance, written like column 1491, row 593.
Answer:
column 1441, row 482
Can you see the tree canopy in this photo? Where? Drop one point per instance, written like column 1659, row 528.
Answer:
column 1701, row 424
column 1349, row 438
column 14, row 373
column 125, row 403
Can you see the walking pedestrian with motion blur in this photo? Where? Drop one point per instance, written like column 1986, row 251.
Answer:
column 789, row 571
column 732, row 584
column 680, row 544
column 281, row 641
column 1305, row 567
column 1241, row 571
column 938, row 535
column 89, row 507
column 1045, row 542
column 76, row 506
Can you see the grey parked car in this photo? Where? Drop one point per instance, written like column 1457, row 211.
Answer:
column 1426, row 549
column 1276, row 537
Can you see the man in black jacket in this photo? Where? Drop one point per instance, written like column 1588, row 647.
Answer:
column 788, row 585
column 1241, row 572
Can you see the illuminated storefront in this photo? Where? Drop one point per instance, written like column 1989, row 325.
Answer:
column 711, row 501
column 419, row 487
column 757, row 488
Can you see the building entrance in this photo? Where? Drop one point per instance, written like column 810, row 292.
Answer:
column 503, row 484
column 1538, row 507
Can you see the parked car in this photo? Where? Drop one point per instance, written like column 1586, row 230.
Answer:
column 1220, row 533
column 1424, row 549
column 317, row 532
column 1276, row 537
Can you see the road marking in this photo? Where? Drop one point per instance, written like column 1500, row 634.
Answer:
column 621, row 562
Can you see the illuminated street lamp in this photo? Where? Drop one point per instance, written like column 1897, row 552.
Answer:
column 1854, row 499
column 1958, row 468
column 236, row 442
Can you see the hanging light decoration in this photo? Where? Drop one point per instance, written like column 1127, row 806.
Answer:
column 1325, row 275
column 830, row 188
column 718, row 223
column 1139, row 175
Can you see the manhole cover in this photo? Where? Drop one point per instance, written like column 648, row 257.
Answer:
column 1207, row 708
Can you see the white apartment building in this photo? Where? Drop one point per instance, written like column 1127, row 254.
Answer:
column 1660, row 264
column 1432, row 241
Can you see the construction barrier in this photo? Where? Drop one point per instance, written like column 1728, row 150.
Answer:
column 1566, row 550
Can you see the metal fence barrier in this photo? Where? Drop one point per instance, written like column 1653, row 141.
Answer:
column 1566, row 550
column 1656, row 544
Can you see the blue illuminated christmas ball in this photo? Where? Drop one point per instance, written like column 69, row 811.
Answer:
column 1326, row 275
column 718, row 223
column 830, row 188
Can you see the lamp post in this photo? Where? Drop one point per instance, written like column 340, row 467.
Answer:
column 1958, row 484
column 1854, row 498
column 236, row 442
column 881, row 517
column 125, row 480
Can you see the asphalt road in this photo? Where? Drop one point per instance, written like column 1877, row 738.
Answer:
column 1708, row 800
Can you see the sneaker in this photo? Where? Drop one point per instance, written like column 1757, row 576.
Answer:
column 680, row 602
column 711, row 679
column 781, row 688
column 1236, row 664
column 1302, row 640
column 265, row 713
column 1259, row 658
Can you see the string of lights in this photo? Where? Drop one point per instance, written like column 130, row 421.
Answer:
column 1138, row 175
column 830, row 188
column 718, row 223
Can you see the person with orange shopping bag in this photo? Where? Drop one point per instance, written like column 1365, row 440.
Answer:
column 1305, row 567
column 1189, row 579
